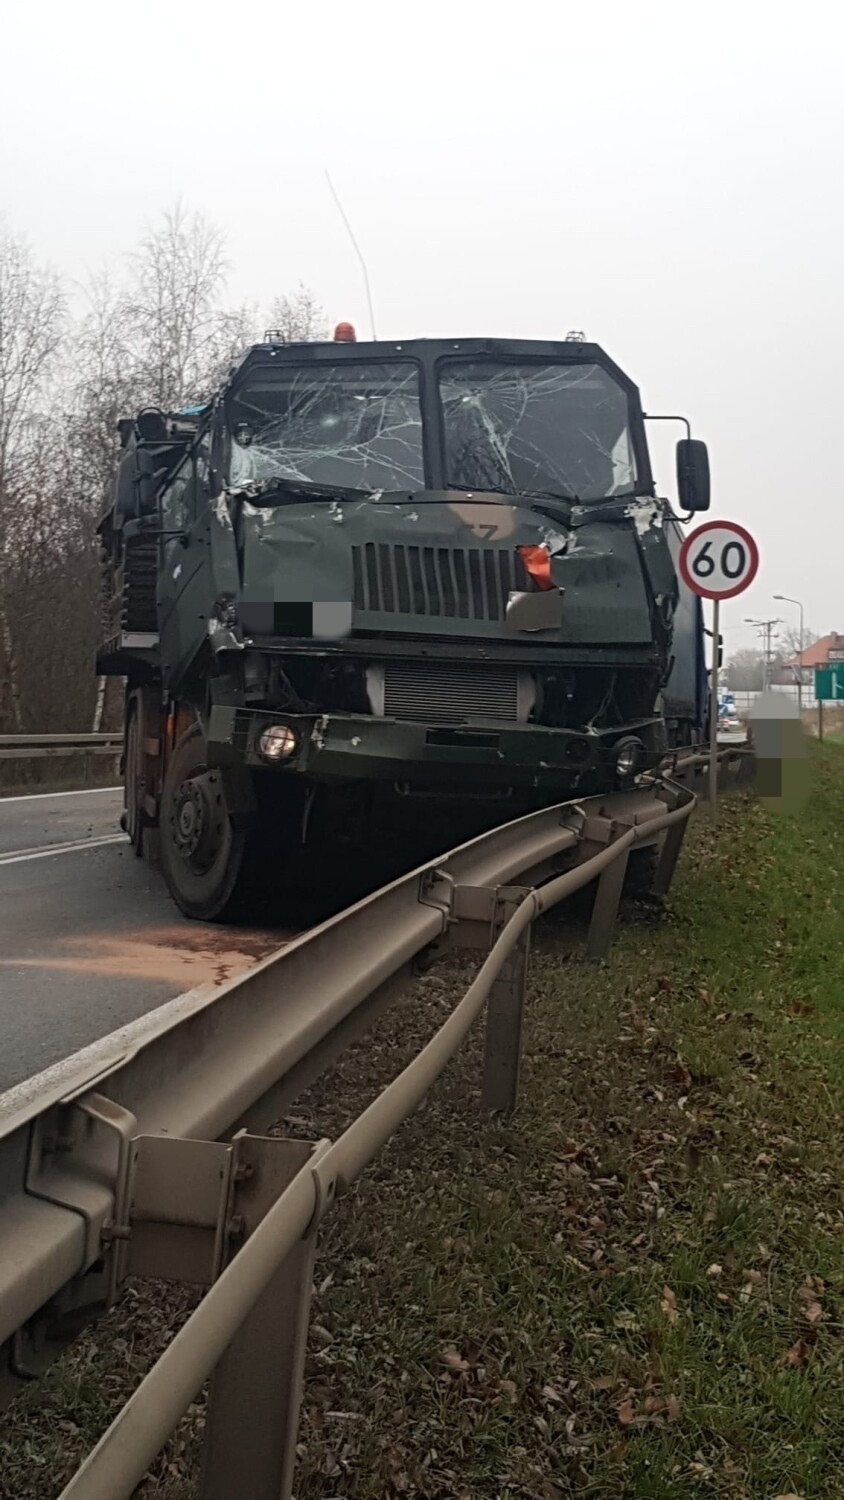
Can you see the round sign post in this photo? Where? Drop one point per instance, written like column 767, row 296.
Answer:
column 718, row 561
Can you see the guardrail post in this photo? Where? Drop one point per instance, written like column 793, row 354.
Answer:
column 673, row 843
column 746, row 768
column 605, row 910
column 253, row 1405
column 503, row 1048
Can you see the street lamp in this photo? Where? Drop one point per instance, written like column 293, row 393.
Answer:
column 784, row 598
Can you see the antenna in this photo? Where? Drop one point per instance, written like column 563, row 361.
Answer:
column 357, row 252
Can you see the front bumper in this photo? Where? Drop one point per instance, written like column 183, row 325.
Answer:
column 338, row 747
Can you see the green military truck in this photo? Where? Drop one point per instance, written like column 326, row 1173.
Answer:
column 371, row 586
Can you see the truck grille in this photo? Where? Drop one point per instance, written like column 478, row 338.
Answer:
column 456, row 583
column 450, row 693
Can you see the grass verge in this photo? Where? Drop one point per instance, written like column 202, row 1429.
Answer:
column 635, row 1287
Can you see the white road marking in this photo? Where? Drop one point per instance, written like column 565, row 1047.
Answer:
column 88, row 791
column 18, row 856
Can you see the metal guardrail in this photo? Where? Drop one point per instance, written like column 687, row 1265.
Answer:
column 136, row 1156
column 32, row 746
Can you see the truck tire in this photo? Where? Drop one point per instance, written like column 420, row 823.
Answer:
column 204, row 855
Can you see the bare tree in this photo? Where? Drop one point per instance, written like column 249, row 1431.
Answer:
column 32, row 313
column 162, row 340
column 744, row 671
column 177, row 324
column 161, row 336
column 298, row 319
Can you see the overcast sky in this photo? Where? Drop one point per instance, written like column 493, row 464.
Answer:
column 665, row 177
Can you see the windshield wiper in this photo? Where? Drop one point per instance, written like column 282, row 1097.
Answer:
column 302, row 489
column 494, row 489
column 552, row 495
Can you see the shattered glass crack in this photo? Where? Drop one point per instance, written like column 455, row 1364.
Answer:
column 534, row 429
column 356, row 426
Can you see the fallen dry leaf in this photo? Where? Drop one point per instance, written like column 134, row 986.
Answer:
column 812, row 1288
column 812, row 1312
column 669, row 1304
column 454, row 1360
column 550, row 1394
column 628, row 1321
column 751, row 1279
column 672, row 1409
column 626, row 1413
column 797, row 1355
column 714, row 1269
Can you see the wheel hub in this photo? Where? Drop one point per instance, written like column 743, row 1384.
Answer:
column 196, row 821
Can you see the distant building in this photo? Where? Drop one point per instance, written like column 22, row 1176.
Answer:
column 828, row 649
column 820, row 653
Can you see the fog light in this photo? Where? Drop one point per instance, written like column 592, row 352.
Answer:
column 277, row 742
column 628, row 756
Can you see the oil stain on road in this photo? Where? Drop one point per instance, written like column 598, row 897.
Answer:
column 181, row 956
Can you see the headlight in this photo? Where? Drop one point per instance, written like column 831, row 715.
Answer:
column 628, row 757
column 277, row 742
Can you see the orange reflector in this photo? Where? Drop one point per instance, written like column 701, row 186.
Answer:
column 344, row 333
column 537, row 561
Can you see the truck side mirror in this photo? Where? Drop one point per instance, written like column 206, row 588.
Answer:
column 693, row 474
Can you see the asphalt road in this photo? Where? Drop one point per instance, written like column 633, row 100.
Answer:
column 89, row 937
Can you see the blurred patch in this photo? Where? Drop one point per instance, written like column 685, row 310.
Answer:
column 303, row 619
column 543, row 611
column 780, row 744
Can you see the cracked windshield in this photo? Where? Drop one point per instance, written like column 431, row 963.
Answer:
column 354, row 425
column 536, row 429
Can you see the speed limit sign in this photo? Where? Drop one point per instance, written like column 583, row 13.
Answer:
column 719, row 560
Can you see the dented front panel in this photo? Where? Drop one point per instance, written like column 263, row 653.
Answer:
column 448, row 567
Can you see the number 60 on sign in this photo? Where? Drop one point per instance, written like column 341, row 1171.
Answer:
column 719, row 560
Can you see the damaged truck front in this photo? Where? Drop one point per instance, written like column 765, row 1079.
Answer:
column 370, row 582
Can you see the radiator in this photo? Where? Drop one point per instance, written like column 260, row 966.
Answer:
column 450, row 692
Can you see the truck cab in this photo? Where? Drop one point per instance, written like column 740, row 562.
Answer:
column 372, row 574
